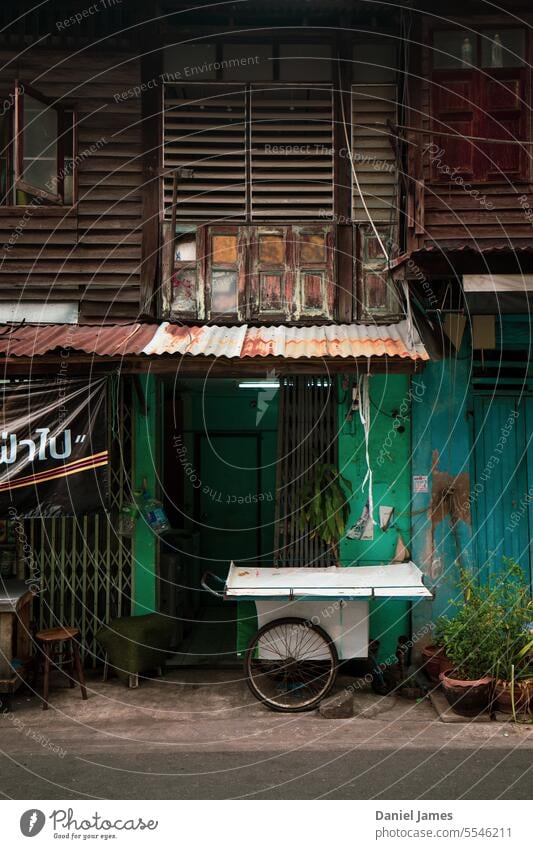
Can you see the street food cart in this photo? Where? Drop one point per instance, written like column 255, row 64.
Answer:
column 310, row 619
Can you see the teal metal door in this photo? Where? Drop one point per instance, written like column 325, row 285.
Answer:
column 503, row 482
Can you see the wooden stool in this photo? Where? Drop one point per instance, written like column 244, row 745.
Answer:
column 70, row 657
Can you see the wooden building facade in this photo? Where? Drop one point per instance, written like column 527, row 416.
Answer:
column 264, row 168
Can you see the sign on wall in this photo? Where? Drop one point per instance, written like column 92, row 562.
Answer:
column 53, row 448
column 420, row 483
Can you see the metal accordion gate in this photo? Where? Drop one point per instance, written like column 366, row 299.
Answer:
column 307, row 434
column 81, row 565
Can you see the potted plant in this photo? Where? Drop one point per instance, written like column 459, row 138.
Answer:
column 513, row 686
column 434, row 658
column 324, row 506
column 471, row 640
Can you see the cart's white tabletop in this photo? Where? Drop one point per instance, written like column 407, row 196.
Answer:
column 395, row 580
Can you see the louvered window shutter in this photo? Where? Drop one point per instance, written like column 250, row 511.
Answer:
column 205, row 129
column 291, row 152
column 374, row 108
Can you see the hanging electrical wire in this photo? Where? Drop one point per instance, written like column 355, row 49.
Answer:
column 364, row 415
column 385, row 252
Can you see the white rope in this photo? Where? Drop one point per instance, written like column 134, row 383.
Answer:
column 364, row 415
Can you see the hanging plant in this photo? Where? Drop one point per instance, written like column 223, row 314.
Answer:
column 324, row 506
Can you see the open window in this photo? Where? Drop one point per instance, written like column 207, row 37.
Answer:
column 43, row 151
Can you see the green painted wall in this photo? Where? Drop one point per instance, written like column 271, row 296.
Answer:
column 145, row 544
column 390, row 451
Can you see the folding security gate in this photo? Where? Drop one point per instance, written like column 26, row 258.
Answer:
column 83, row 567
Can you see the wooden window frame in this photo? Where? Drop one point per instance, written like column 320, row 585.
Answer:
column 9, row 114
column 366, row 264
column 259, row 267
column 249, row 268
column 239, row 267
column 325, row 269
column 19, row 184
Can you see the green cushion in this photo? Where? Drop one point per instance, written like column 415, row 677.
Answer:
column 137, row 643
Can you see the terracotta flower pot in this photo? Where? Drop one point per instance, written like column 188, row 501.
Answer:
column 523, row 696
column 434, row 661
column 468, row 698
column 431, row 661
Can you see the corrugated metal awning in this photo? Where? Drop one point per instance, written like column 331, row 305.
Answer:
column 109, row 340
column 317, row 341
column 232, row 342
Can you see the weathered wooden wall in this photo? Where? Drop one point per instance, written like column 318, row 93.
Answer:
column 91, row 252
column 444, row 212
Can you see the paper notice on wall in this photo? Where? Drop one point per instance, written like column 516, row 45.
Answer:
column 364, row 527
column 385, row 517
column 420, row 483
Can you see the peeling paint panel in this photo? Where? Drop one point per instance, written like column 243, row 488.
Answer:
column 441, row 522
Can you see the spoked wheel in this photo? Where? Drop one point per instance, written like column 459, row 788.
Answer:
column 291, row 664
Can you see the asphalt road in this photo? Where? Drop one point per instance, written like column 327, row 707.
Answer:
column 421, row 773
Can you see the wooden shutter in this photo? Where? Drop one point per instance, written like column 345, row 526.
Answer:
column 291, row 152
column 453, row 111
column 502, row 116
column 272, row 277
column 377, row 290
column 205, row 129
column 313, row 252
column 374, row 107
column 225, row 287
column 292, row 272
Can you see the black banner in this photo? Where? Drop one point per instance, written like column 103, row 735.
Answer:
column 53, row 448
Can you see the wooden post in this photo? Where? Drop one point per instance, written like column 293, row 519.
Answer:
column 344, row 265
column 151, row 107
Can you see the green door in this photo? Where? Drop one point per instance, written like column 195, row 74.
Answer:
column 228, row 503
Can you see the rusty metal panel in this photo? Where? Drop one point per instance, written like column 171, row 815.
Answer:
column 106, row 340
column 344, row 340
column 355, row 340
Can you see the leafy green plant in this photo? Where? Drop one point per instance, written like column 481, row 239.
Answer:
column 516, row 609
column 324, row 506
column 472, row 638
column 488, row 634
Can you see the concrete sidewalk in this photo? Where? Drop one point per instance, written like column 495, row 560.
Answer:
column 208, row 710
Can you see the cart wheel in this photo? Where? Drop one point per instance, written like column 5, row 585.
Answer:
column 291, row 664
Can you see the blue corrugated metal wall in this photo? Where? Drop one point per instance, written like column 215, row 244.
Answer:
column 441, row 450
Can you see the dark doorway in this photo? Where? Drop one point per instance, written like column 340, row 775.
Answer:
column 220, row 483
